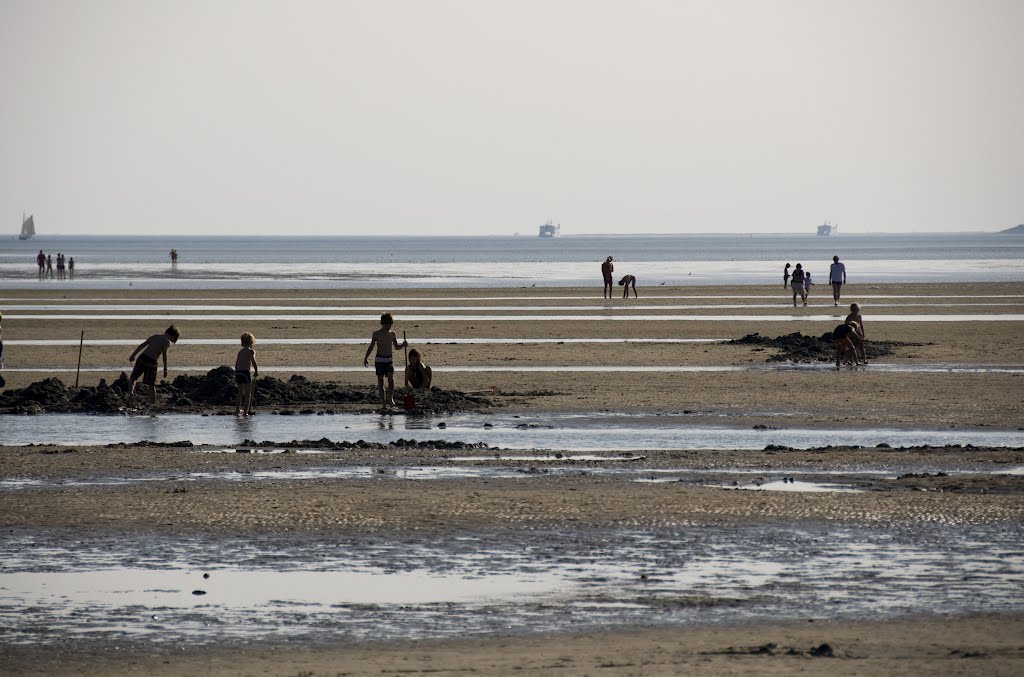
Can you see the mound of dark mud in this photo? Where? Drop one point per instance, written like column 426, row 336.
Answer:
column 198, row 394
column 796, row 347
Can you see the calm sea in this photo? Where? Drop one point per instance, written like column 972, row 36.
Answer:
column 106, row 262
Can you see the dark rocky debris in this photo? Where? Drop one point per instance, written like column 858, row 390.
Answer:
column 796, row 347
column 217, row 389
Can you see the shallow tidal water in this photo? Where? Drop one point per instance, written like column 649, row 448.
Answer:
column 585, row 432
column 58, row 587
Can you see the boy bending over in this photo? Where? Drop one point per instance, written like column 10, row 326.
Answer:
column 152, row 348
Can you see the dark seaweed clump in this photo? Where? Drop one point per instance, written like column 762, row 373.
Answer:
column 217, row 389
column 796, row 347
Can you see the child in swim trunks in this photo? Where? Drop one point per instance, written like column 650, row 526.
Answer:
column 152, row 348
column 384, row 339
column 246, row 359
column 858, row 340
column 846, row 348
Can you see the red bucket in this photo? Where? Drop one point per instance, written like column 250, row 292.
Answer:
column 408, row 402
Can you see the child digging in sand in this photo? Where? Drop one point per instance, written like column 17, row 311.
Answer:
column 152, row 348
column 417, row 374
column 246, row 360
column 384, row 339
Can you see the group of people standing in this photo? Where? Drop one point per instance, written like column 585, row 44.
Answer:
column 65, row 269
column 607, row 268
column 801, row 281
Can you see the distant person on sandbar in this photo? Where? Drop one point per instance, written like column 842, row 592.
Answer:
column 41, row 262
column 384, row 339
column 798, row 284
column 49, row 266
column 71, row 268
column 417, row 374
column 785, row 276
column 152, row 348
column 174, row 258
column 837, row 278
column 607, row 268
column 60, row 266
column 855, row 318
column 245, row 361
column 627, row 282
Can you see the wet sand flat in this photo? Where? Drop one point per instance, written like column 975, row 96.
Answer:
column 321, row 509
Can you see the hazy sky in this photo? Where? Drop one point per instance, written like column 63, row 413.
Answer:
column 481, row 117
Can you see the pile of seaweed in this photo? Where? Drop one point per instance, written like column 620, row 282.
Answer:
column 796, row 347
column 217, row 389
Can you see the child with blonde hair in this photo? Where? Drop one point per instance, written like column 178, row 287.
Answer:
column 245, row 361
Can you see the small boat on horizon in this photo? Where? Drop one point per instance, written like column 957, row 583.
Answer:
column 28, row 227
column 549, row 229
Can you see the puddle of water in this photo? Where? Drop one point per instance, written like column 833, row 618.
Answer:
column 176, row 588
column 798, row 486
column 594, row 433
column 58, row 586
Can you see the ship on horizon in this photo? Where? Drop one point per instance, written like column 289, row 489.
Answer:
column 549, row 229
column 826, row 229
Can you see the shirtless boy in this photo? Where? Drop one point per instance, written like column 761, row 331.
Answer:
column 152, row 348
column 384, row 339
column 245, row 361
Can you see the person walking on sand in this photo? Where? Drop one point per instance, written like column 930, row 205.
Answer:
column 854, row 318
column 807, row 285
column 626, row 283
column 152, row 348
column 245, row 361
column 785, row 276
column 384, row 339
column 417, row 374
column 607, row 268
column 798, row 284
column 837, row 278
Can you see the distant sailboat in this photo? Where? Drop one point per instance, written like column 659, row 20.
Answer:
column 28, row 228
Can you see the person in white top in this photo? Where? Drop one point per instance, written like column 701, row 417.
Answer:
column 837, row 277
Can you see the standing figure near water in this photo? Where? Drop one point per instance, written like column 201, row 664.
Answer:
column 607, row 268
column 152, row 348
column 837, row 278
column 41, row 262
column 246, row 360
column 384, row 365
column 1, row 343
column 798, row 284
column 626, row 283
column 785, row 276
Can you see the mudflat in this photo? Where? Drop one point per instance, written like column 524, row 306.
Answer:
column 949, row 381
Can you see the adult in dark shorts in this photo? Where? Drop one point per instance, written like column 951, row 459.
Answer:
column 41, row 262
column 607, row 268
column 627, row 282
column 145, row 367
column 837, row 277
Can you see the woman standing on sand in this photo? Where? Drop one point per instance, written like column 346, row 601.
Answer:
column 798, row 284
column 785, row 276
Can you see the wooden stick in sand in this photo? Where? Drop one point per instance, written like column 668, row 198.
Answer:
column 81, row 342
